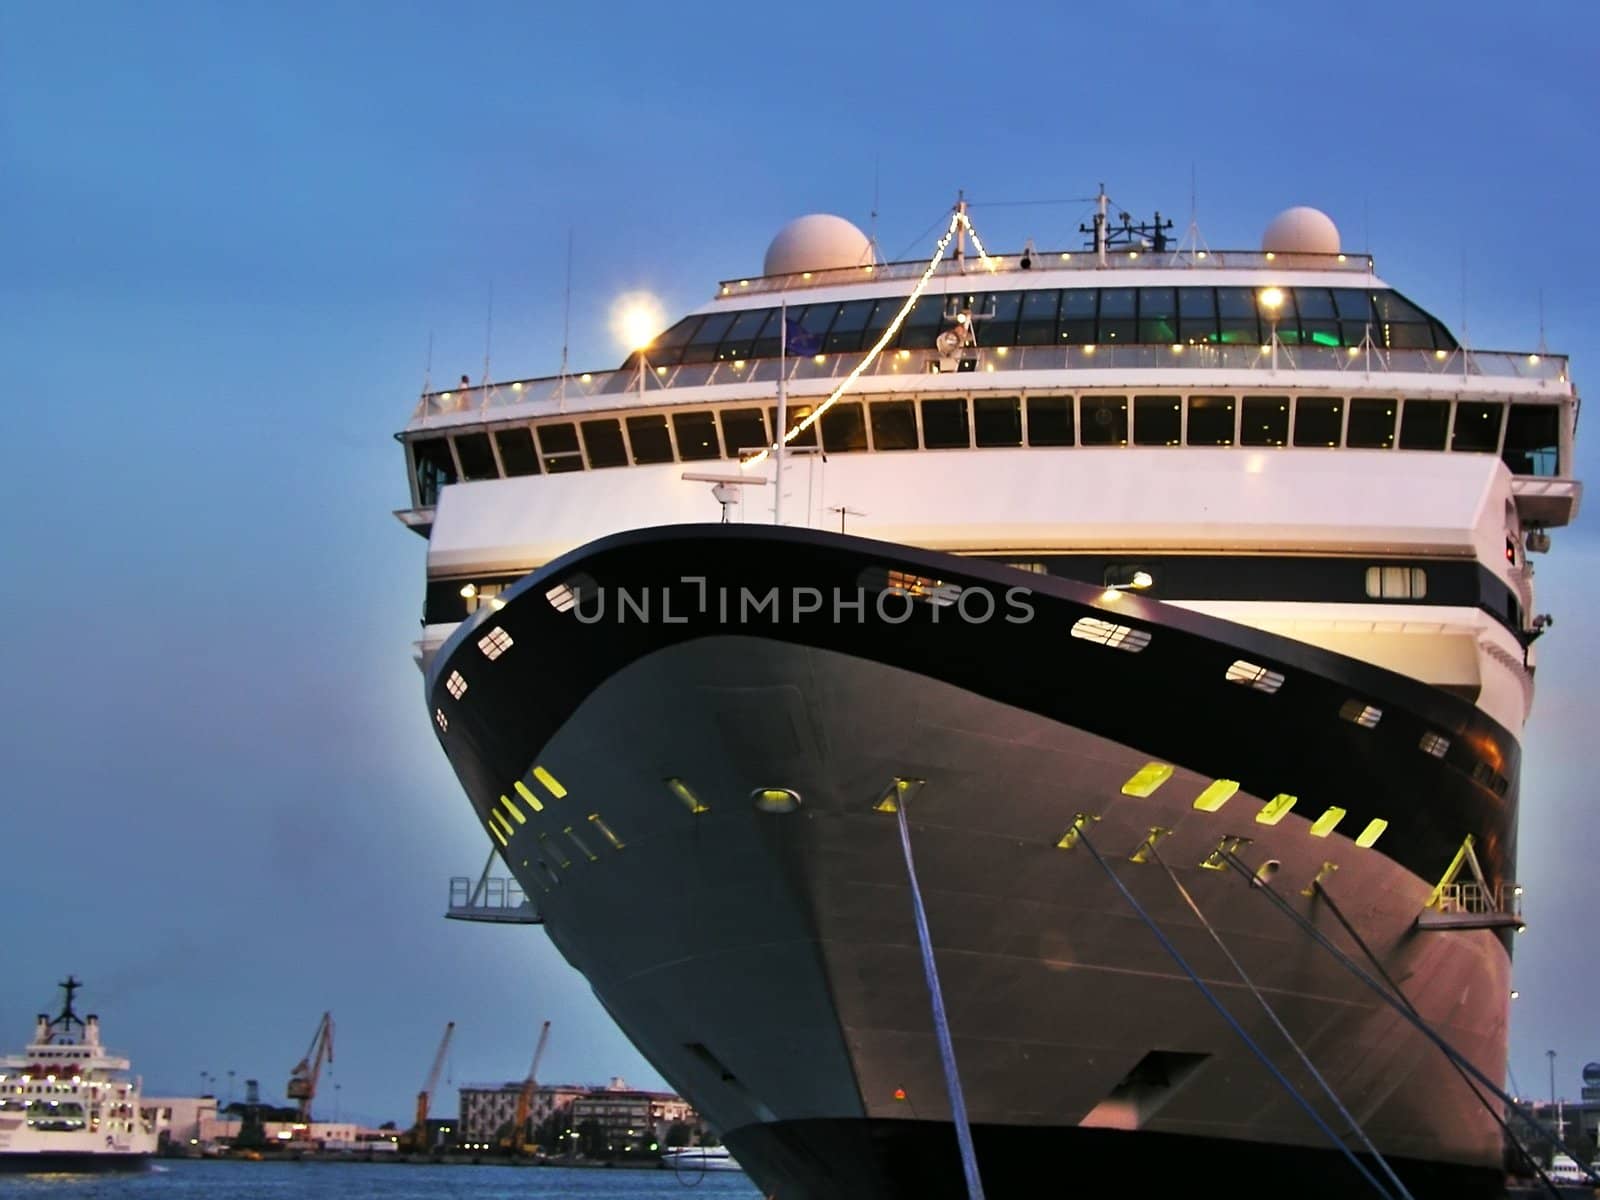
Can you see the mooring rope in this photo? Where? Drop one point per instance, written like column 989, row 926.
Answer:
column 1250, row 1043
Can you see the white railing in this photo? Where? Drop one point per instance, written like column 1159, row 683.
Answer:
column 552, row 394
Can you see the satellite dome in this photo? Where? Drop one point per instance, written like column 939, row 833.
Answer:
column 1301, row 230
column 819, row 242
column 1591, row 1074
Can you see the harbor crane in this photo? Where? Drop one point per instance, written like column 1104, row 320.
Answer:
column 516, row 1140
column 302, row 1087
column 416, row 1138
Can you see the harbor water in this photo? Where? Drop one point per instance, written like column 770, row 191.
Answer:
column 186, row 1179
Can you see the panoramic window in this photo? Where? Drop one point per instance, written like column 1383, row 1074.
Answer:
column 558, row 445
column 997, row 420
column 697, row 436
column 944, row 424
column 516, row 450
column 1116, row 315
column 1078, row 316
column 1157, row 421
column 1050, row 420
column 477, row 459
column 667, row 349
column 1372, row 424
column 845, row 335
column 743, row 429
column 1158, row 318
column 1264, row 421
column 1354, row 306
column 1104, row 421
column 739, row 342
column 702, row 347
column 1318, row 325
column 647, row 434
column 1477, row 427
column 922, row 323
column 1210, row 420
column 1402, row 326
column 603, row 440
column 1318, row 421
column 795, row 414
column 844, row 429
column 1423, row 424
column 1236, row 316
column 1533, row 439
column 1037, row 326
column 434, row 468
column 999, row 312
column 1197, row 315
column 894, row 425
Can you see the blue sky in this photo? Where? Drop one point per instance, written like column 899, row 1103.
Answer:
column 229, row 232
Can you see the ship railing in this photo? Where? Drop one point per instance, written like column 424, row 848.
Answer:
column 555, row 394
column 491, row 898
column 1468, row 897
column 1136, row 258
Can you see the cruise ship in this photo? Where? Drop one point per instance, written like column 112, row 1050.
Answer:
column 1126, row 575
column 69, row 1104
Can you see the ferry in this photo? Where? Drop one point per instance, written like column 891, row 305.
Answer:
column 1168, row 598
column 69, row 1104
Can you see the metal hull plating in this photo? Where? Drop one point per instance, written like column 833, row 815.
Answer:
column 767, row 962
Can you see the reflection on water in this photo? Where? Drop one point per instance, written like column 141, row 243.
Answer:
column 185, row 1179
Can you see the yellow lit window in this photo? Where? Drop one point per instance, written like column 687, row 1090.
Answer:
column 1147, row 779
column 526, row 793
column 1327, row 822
column 1372, row 832
column 551, row 783
column 1216, row 795
column 1276, row 809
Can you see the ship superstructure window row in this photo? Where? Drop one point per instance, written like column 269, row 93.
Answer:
column 1527, row 436
column 1194, row 316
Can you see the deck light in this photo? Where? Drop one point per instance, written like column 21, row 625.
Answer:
column 1089, row 349
column 1271, row 298
column 1534, row 359
column 819, row 358
column 775, row 800
column 1271, row 256
column 469, row 592
column 1515, row 993
column 586, row 377
column 635, row 319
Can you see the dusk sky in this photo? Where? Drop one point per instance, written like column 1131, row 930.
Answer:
column 227, row 233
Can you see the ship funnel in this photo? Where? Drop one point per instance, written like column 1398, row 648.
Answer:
column 91, row 1030
column 41, row 1029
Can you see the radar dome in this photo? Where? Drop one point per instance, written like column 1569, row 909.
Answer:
column 1301, row 230
column 819, row 242
column 1591, row 1074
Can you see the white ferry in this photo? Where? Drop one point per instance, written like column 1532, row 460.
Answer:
column 68, row 1104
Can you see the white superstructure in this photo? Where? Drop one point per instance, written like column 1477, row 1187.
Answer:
column 67, row 1101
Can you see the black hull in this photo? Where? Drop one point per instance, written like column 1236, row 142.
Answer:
column 72, row 1164
column 918, row 1160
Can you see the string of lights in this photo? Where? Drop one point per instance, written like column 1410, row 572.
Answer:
column 957, row 220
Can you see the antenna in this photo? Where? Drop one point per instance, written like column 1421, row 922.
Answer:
column 872, row 223
column 1191, row 241
column 1543, row 349
column 488, row 336
column 566, row 311
column 427, row 367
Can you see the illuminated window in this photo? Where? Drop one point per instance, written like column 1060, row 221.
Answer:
column 1264, row 421
column 550, row 782
column 1372, row 424
column 605, row 831
column 439, row 719
column 1372, row 832
column 1434, row 744
column 494, row 643
column 1147, row 779
column 1327, row 822
column 1106, row 633
column 1361, row 713
column 1397, row 583
column 456, row 685
column 686, row 794
column 1276, row 809
column 1253, row 676
column 1217, row 793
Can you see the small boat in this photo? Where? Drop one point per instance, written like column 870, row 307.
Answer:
column 66, row 1104
column 700, row 1158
